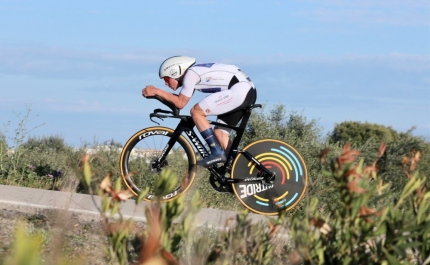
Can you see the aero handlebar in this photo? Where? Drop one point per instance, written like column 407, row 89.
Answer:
column 175, row 111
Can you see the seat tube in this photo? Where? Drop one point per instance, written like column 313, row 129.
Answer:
column 241, row 129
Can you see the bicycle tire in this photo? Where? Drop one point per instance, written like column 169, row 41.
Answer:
column 145, row 147
column 290, row 182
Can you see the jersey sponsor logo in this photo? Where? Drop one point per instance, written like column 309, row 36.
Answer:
column 208, row 65
column 221, row 98
column 211, row 78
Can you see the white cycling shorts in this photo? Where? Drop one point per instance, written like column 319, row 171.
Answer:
column 224, row 101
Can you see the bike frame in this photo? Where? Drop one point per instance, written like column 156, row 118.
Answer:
column 186, row 125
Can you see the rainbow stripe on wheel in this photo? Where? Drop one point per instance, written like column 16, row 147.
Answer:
column 290, row 183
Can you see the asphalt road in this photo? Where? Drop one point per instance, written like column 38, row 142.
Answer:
column 85, row 205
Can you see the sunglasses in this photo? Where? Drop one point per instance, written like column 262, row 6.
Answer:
column 166, row 79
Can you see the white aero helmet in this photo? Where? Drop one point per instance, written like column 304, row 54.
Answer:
column 176, row 66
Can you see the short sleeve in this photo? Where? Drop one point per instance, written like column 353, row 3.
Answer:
column 191, row 78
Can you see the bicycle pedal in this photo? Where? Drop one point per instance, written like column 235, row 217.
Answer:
column 270, row 181
column 267, row 183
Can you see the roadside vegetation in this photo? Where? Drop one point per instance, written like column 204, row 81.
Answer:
column 368, row 200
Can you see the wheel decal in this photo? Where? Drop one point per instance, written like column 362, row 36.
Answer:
column 280, row 197
column 290, row 201
column 127, row 164
column 262, row 203
column 280, row 168
column 261, row 199
column 295, row 159
column 290, row 181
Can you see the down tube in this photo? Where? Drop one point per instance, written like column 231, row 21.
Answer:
column 197, row 143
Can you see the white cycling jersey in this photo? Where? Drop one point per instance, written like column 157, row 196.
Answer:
column 228, row 87
column 211, row 78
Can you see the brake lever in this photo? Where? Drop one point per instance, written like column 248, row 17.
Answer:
column 152, row 115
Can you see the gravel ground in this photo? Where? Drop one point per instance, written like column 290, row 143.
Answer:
column 78, row 238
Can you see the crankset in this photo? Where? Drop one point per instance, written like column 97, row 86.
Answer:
column 268, row 177
column 219, row 185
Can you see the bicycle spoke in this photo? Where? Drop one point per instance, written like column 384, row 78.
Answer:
column 147, row 158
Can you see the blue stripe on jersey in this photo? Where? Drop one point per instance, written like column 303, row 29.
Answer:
column 211, row 90
column 208, row 65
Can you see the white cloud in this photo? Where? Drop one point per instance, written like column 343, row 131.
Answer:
column 73, row 63
column 84, row 106
column 397, row 12
column 79, row 64
column 397, row 61
column 201, row 2
column 372, row 3
column 369, row 16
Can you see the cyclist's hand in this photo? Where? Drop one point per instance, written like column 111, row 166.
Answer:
column 149, row 91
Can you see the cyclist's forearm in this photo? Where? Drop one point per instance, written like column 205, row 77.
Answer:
column 178, row 100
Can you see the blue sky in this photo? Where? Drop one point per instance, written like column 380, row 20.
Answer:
column 80, row 65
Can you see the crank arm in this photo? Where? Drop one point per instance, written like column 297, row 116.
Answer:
column 269, row 176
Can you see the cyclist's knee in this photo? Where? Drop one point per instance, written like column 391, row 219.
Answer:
column 196, row 110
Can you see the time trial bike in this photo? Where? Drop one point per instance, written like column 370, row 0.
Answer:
column 266, row 176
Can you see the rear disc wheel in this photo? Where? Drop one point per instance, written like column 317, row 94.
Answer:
column 290, row 181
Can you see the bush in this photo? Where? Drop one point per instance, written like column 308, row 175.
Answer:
column 359, row 133
column 348, row 231
column 294, row 129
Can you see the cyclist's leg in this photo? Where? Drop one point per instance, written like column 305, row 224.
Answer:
column 217, row 153
column 217, row 104
column 233, row 117
column 222, row 135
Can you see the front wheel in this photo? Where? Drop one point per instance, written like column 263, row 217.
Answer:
column 290, row 181
column 147, row 153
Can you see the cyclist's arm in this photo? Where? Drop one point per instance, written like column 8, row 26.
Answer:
column 191, row 78
column 180, row 100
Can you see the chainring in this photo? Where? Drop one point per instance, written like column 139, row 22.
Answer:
column 218, row 185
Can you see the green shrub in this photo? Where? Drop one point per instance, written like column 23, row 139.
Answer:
column 359, row 133
column 349, row 231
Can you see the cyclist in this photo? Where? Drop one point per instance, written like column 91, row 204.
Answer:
column 231, row 91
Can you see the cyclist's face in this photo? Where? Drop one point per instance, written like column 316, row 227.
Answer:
column 170, row 82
